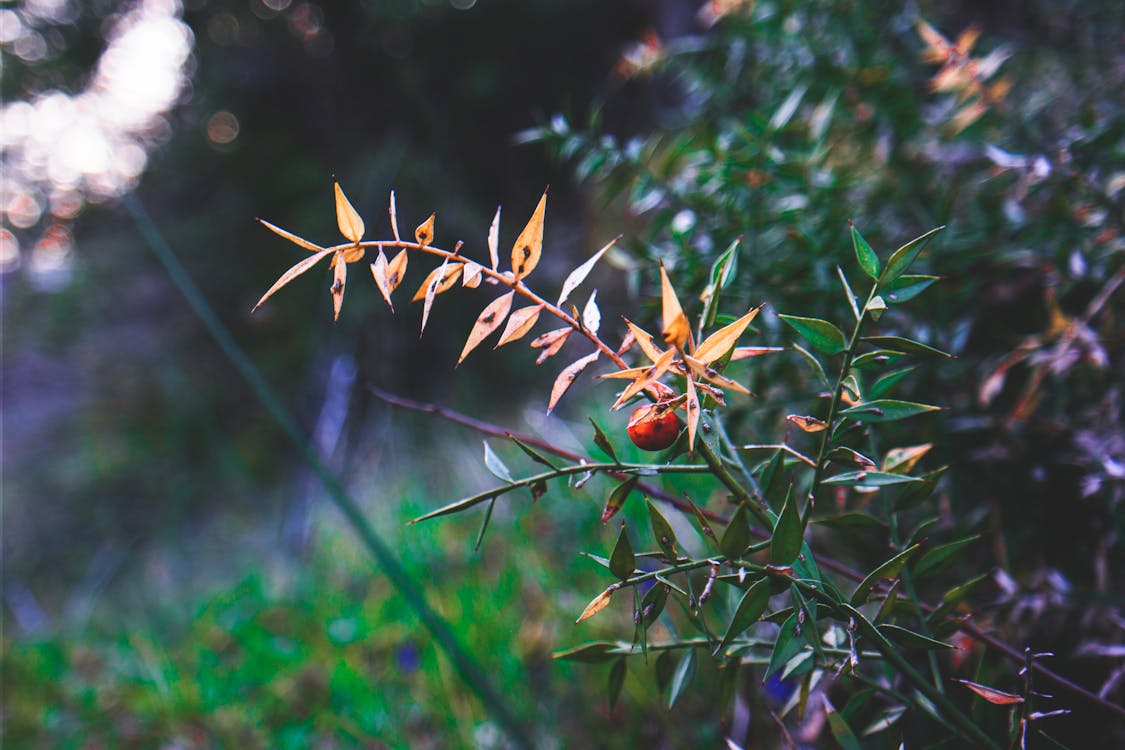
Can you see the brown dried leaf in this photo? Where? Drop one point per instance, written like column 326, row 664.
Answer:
column 567, row 376
column 721, row 341
column 488, row 321
column 807, row 424
column 711, row 375
column 338, row 282
column 446, row 272
column 311, row 247
column 529, row 245
column 966, row 39
column 745, row 352
column 990, row 694
column 352, row 254
column 676, row 329
column 691, row 406
column 293, row 273
column 578, row 275
column 494, row 240
column 520, row 322
column 424, row 234
column 472, row 275
column 351, row 226
column 647, row 378
column 550, row 342
column 379, row 271
column 392, row 209
column 644, row 340
column 600, row 602
column 902, row 460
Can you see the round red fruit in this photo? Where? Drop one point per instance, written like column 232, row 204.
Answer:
column 654, row 427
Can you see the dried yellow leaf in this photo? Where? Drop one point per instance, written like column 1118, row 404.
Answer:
column 529, row 245
column 647, row 378
column 722, row 340
column 472, row 275
column 567, row 376
column 311, row 247
column 902, row 460
column 693, row 412
column 704, row 372
column 293, row 273
column 353, row 253
column 392, row 210
column 424, row 234
column 807, row 424
column 578, row 275
column 339, row 279
column 443, row 278
column 379, row 272
column 351, row 226
column 600, row 602
column 487, row 322
column 644, row 340
column 494, row 240
column 745, row 352
column 550, row 342
column 676, row 329
column 519, row 323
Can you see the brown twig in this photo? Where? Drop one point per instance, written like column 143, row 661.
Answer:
column 970, row 629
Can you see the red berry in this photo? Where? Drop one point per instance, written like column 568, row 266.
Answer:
column 654, row 427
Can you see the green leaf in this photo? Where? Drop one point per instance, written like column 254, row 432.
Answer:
column 704, row 525
column 622, row 561
column 662, row 530
column 904, row 345
column 890, row 569
column 786, row 540
column 602, row 442
column 886, row 410
column 868, row 479
column 655, row 599
column 618, row 496
column 685, row 670
column 904, row 257
column 840, row 729
column 464, row 504
column 723, row 271
column 939, row 557
column 884, row 720
column 848, row 292
column 736, row 537
column 788, row 645
column 750, row 608
column 878, row 358
column 906, row 288
column 484, row 524
column 616, row 680
column 663, row 670
column 532, row 453
column 593, row 652
column 817, row 367
column 885, row 383
column 910, row 640
column 820, row 333
column 867, row 258
column 498, row 468
column 955, row 596
column 877, row 306
column 850, row 457
column 773, row 477
column 852, row 521
column 915, row 494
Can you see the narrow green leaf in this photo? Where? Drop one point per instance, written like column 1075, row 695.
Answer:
column 886, row 410
column 850, row 457
column 817, row 367
column 463, row 504
column 904, row 257
column 603, row 561
column 955, row 596
column 663, row 670
column 749, row 609
column 685, row 670
column 913, row 495
column 723, row 271
column 939, row 557
column 484, row 524
column 906, row 288
column 886, row 382
column 653, row 603
column 593, row 652
column 622, row 561
column 879, row 358
column 788, row 645
column 823, row 335
column 603, row 442
column 786, row 540
column 736, row 537
column 773, row 477
column 498, row 468
column 890, row 569
column 616, row 680
column 662, row 530
column 852, row 521
column 910, row 640
column 904, row 345
column 840, row 729
column 532, row 453
column 868, row 479
column 884, row 720
column 888, row 605
column 848, row 292
column 867, row 258
column 704, row 525
column 618, row 496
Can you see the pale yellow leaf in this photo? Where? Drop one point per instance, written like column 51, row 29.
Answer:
column 631, row 373
column 519, row 323
column 352, row 253
column 578, row 275
column 592, row 315
column 902, row 460
column 471, row 276
column 600, row 602
column 626, row 343
column 714, row 376
column 494, row 240
column 550, row 342
column 647, row 378
column 676, row 329
column 644, row 340
column 351, row 226
column 693, row 412
column 424, row 234
column 379, row 272
column 338, row 282
column 745, row 352
column 311, row 247
column 807, row 424
column 392, row 209
column 443, row 278
column 721, row 341
column 487, row 322
column 293, row 273
column 529, row 245
column 396, row 269
column 567, row 376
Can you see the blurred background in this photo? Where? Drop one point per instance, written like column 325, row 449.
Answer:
column 171, row 574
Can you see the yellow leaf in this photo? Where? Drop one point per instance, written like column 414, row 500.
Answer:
column 990, row 694
column 630, row 374
column 353, row 253
column 966, row 40
column 592, row 315
column 338, row 281
column 293, row 273
column 600, row 602
column 647, row 378
column 311, row 247
column 424, row 234
column 902, row 460
column 721, row 341
column 392, row 210
column 520, row 322
column 550, row 342
column 807, row 424
column 472, row 275
column 494, row 240
column 446, row 272
column 745, row 352
column 578, row 275
column 351, row 226
column 693, row 412
column 529, row 245
column 676, row 330
column 713, row 376
column 396, row 270
column 379, row 272
column 567, row 376
column 487, row 322
column 644, row 340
